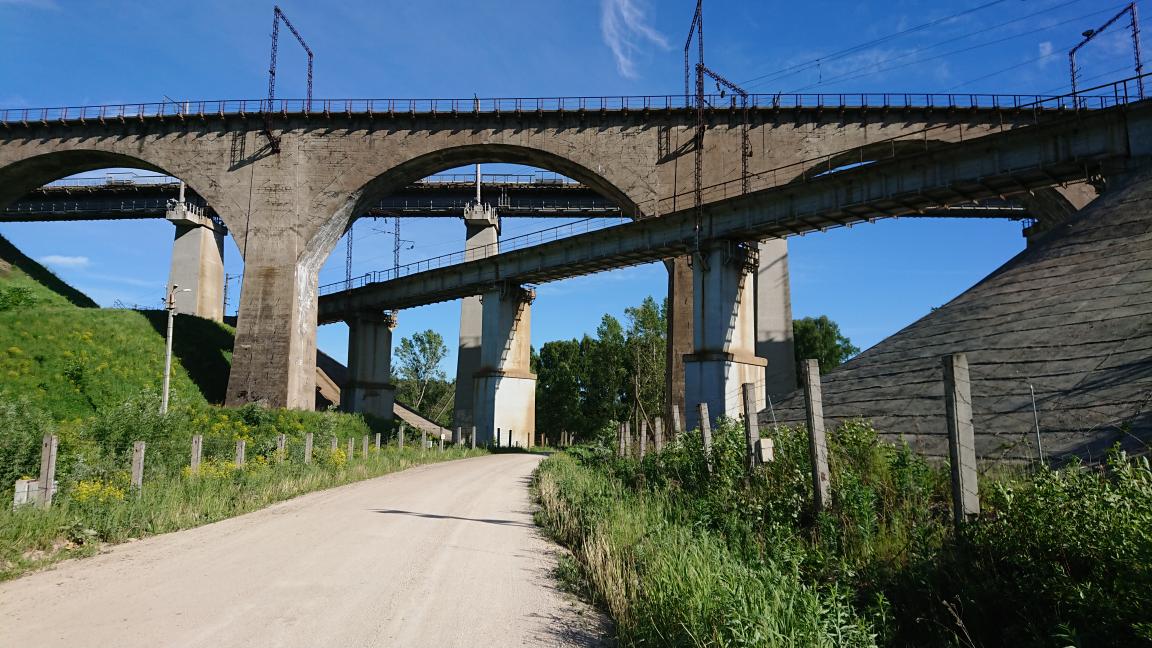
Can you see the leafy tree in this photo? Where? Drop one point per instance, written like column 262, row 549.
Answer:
column 422, row 384
column 820, row 338
column 646, row 341
column 558, row 387
column 606, row 377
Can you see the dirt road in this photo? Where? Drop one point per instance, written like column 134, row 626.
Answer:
column 442, row 555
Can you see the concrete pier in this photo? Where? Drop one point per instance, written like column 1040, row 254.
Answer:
column 369, row 389
column 774, row 318
column 197, row 261
column 504, row 386
column 723, row 331
column 483, row 234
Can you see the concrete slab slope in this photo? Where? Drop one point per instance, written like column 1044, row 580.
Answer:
column 402, row 560
column 1071, row 315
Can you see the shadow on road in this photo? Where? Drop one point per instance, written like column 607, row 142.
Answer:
column 435, row 516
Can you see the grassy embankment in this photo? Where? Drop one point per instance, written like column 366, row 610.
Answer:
column 682, row 558
column 92, row 377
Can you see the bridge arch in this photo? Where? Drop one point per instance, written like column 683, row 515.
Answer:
column 26, row 174
column 383, row 181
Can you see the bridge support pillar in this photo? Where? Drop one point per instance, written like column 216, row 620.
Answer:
column 679, row 334
column 504, row 386
column 197, row 261
column 774, row 318
column 723, row 331
column 369, row 389
column 482, row 226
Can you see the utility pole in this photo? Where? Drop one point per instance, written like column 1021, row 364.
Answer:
column 1093, row 33
column 170, row 305
column 348, row 259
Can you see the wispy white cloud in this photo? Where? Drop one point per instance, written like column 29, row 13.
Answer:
column 1045, row 52
column 625, row 29
column 61, row 261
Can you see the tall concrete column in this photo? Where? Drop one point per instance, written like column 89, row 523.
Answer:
column 774, row 318
column 723, row 331
column 274, row 356
column 197, row 261
column 504, row 386
column 679, row 334
column 482, row 226
column 369, row 389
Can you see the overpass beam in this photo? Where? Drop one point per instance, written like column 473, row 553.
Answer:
column 369, row 389
column 482, row 227
column 723, row 330
column 197, row 261
column 774, row 341
column 504, row 386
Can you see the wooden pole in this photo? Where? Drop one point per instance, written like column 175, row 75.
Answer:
column 705, row 434
column 497, row 437
column 47, row 484
column 138, row 466
column 197, row 454
column 817, row 441
column 308, row 448
column 961, row 438
column 240, row 448
column 658, row 435
column 751, row 426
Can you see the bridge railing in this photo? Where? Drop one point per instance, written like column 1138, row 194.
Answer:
column 1090, row 99
column 455, row 258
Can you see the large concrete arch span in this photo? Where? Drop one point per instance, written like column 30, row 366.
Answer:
column 287, row 204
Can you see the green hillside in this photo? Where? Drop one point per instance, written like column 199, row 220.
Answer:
column 70, row 359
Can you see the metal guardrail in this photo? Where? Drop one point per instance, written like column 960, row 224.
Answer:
column 454, row 258
column 113, row 180
column 1120, row 93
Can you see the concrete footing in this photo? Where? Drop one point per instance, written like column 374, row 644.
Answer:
column 369, row 389
column 504, row 388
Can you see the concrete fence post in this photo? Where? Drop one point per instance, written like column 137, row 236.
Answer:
column 619, row 439
column 197, row 454
column 472, row 437
column 509, row 437
column 961, row 438
column 441, row 442
column 351, row 448
column 377, row 442
column 308, row 448
column 364, row 447
column 47, row 485
column 751, row 426
column 817, row 441
column 281, row 446
column 333, row 444
column 643, row 438
column 705, row 434
column 423, row 439
column 677, row 425
column 497, row 437
column 458, row 436
column 138, row 465
column 400, row 435
column 241, row 446
column 658, row 435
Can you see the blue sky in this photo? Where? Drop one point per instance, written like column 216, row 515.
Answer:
column 872, row 279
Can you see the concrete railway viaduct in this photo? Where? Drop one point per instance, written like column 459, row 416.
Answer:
column 287, row 182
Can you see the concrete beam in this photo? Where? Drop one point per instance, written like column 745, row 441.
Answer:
column 369, row 389
column 504, row 386
column 482, row 228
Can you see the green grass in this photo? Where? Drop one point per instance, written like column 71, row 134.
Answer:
column 679, row 556
column 92, row 512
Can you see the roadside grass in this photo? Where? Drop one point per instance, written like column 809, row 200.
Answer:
column 683, row 557
column 90, row 513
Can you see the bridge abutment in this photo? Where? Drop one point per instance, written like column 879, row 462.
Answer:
column 723, row 331
column 369, row 389
column 197, row 261
column 482, row 227
column 505, row 387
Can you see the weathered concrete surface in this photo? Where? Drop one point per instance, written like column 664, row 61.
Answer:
column 1071, row 315
column 402, row 560
column 482, row 232
column 287, row 209
column 504, row 386
column 369, row 387
column 774, row 318
column 197, row 264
